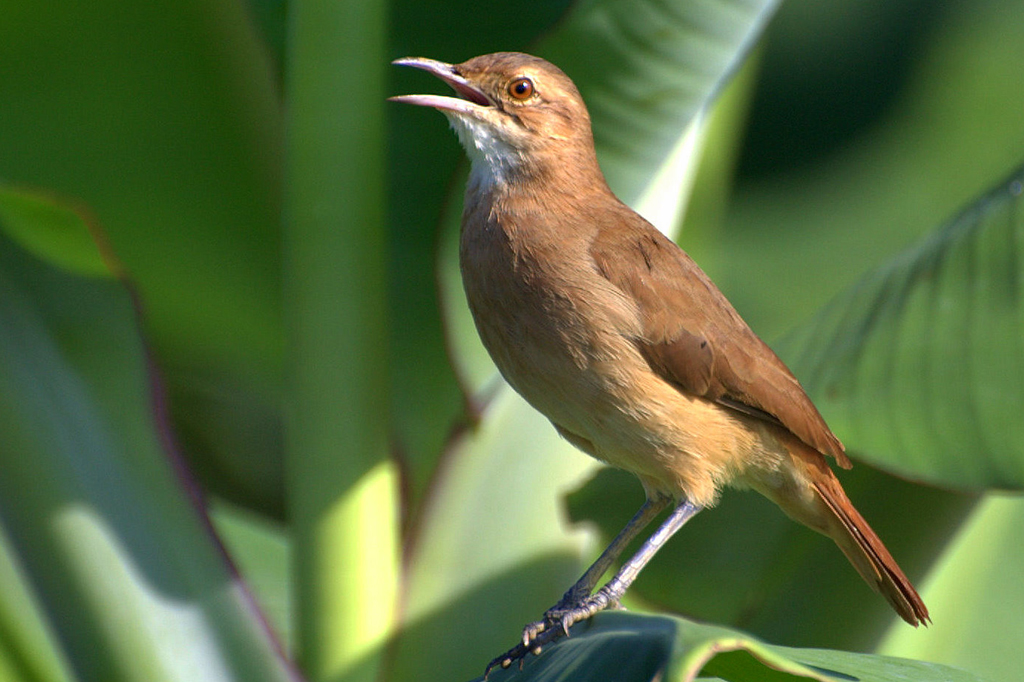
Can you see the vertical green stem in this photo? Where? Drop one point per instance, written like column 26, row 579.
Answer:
column 342, row 488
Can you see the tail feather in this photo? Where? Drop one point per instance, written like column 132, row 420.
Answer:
column 868, row 555
column 807, row 490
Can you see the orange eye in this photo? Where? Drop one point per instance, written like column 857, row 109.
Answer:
column 521, row 88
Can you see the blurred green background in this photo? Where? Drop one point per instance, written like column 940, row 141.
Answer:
column 247, row 431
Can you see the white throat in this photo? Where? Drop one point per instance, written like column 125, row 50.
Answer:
column 493, row 159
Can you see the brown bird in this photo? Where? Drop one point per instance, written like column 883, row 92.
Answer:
column 612, row 332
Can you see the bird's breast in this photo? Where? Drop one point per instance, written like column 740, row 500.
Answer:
column 564, row 337
column 556, row 329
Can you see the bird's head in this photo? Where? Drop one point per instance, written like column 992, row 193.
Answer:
column 515, row 113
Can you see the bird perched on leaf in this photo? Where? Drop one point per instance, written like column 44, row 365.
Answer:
column 611, row 331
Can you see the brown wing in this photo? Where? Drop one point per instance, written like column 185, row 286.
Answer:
column 693, row 336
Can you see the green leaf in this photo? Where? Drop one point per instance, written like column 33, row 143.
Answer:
column 164, row 118
column 96, row 505
column 920, row 366
column 974, row 594
column 625, row 647
column 52, row 230
column 817, row 201
column 261, row 550
column 28, row 652
column 489, row 551
column 343, row 488
column 645, row 69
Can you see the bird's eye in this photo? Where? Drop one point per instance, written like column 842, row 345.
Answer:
column 520, row 88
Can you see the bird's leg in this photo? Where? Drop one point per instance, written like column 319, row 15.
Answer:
column 585, row 585
column 610, row 593
column 613, row 590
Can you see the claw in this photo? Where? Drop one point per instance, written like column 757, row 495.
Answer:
column 518, row 652
column 504, row 661
column 556, row 623
column 565, row 627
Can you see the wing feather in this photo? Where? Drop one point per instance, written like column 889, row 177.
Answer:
column 694, row 338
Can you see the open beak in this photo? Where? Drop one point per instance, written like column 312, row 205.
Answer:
column 470, row 98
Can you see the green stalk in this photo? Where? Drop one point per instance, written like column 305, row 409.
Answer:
column 342, row 487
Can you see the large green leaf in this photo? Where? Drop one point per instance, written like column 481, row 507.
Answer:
column 625, row 647
column 920, row 366
column 974, row 593
column 343, row 490
column 489, row 551
column 28, row 651
column 646, row 67
column 97, row 505
column 798, row 234
column 54, row 231
column 164, row 118
column 261, row 550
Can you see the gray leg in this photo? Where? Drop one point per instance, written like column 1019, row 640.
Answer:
column 561, row 617
column 617, row 586
column 585, row 585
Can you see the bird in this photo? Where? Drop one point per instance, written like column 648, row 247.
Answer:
column 611, row 331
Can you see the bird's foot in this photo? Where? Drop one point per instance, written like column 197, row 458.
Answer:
column 557, row 621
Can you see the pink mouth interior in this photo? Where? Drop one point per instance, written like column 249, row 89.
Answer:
column 469, row 94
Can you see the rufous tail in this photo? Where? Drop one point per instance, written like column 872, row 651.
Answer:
column 824, row 506
column 868, row 555
column 860, row 544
